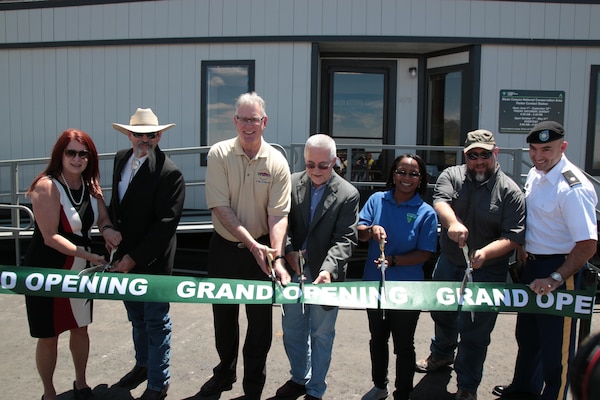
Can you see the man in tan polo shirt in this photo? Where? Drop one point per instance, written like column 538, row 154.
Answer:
column 248, row 190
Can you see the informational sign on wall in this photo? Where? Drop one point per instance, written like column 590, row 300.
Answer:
column 521, row 110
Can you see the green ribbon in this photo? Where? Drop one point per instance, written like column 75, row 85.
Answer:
column 396, row 295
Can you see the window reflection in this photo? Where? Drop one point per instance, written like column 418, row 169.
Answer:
column 223, row 84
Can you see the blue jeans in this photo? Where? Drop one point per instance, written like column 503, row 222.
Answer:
column 152, row 340
column 308, row 341
column 474, row 335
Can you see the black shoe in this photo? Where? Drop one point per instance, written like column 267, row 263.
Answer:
column 217, row 385
column 508, row 392
column 290, row 389
column 150, row 394
column 81, row 394
column 133, row 378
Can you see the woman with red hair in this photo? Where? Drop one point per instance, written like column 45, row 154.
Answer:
column 67, row 201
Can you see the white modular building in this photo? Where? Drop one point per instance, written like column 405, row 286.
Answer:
column 378, row 75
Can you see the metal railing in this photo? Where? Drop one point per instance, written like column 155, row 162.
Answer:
column 514, row 161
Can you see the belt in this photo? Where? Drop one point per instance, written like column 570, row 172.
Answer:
column 240, row 245
column 533, row 257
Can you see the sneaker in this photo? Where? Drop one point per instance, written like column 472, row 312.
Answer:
column 432, row 363
column 376, row 394
column 465, row 395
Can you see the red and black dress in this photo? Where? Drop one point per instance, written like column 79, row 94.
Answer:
column 50, row 316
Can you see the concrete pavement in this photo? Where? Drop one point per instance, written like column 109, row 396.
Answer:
column 194, row 356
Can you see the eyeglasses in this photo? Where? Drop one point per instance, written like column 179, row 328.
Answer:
column 483, row 155
column 249, row 121
column 412, row 174
column 150, row 135
column 83, row 154
column 321, row 165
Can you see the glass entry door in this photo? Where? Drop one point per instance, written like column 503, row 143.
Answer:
column 357, row 107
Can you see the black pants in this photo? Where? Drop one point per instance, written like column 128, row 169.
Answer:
column 402, row 325
column 227, row 260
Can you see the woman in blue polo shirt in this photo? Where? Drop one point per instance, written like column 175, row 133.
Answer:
column 409, row 227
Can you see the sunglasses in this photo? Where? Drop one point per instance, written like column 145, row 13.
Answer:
column 413, row 174
column 483, row 155
column 150, row 135
column 83, row 154
column 321, row 165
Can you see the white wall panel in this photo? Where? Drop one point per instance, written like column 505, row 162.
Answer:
column 48, row 63
column 35, row 26
column 567, row 21
column 297, row 15
column 344, row 17
column 552, row 24
column 507, row 22
column 329, row 20
column 201, row 18
column 419, row 23
column 582, row 21
column 358, row 12
column 314, row 18
column 433, row 18
column 522, row 23
column 373, row 18
column 389, row 20
column 216, row 18
column 270, row 13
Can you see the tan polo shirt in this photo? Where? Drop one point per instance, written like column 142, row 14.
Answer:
column 253, row 188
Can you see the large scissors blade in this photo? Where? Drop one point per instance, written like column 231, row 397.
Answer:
column 302, row 276
column 99, row 268
column 382, row 267
column 273, row 276
column 467, row 278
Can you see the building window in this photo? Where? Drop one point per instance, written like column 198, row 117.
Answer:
column 358, row 100
column 222, row 83
column 592, row 164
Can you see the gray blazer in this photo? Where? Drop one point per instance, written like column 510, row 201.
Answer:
column 332, row 234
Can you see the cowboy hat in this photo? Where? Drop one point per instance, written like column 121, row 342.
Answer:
column 143, row 121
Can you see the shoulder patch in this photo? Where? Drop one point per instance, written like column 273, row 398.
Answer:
column 572, row 180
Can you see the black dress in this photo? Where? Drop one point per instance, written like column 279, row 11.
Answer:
column 49, row 316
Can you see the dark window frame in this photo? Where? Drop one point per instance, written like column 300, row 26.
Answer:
column 592, row 121
column 205, row 66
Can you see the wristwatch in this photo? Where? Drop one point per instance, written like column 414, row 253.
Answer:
column 557, row 276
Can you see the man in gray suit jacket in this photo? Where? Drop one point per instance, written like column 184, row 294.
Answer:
column 322, row 227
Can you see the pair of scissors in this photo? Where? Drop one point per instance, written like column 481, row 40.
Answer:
column 467, row 278
column 274, row 279
column 302, row 276
column 382, row 266
column 99, row 268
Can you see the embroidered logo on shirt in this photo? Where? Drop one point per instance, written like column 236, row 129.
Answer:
column 410, row 217
column 264, row 176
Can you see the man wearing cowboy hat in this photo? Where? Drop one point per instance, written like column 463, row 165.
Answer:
column 148, row 192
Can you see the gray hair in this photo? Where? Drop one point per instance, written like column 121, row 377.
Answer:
column 323, row 141
column 250, row 98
